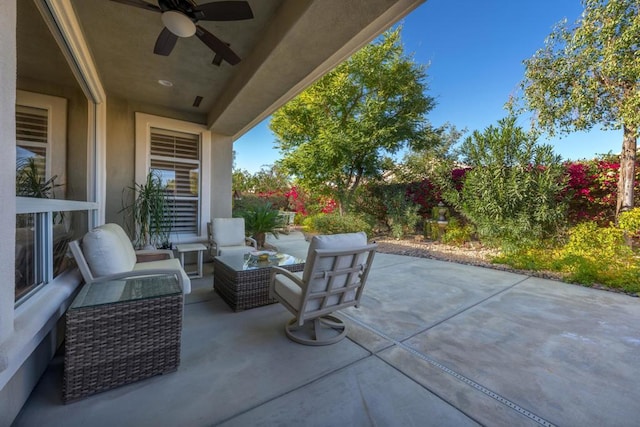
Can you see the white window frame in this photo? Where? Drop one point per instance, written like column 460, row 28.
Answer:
column 143, row 123
column 56, row 158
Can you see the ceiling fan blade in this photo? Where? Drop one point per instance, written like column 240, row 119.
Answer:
column 217, row 45
column 165, row 42
column 141, row 4
column 225, row 11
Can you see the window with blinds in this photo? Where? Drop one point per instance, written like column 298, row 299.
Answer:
column 175, row 157
column 32, row 133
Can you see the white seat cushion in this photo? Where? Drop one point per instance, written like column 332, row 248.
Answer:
column 235, row 250
column 288, row 290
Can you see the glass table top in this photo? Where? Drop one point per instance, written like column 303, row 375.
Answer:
column 246, row 262
column 114, row 291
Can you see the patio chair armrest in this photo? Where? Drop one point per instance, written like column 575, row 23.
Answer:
column 251, row 241
column 142, row 273
column 279, row 270
column 213, row 246
column 153, row 255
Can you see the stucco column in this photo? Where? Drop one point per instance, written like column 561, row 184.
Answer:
column 7, row 164
column 221, row 169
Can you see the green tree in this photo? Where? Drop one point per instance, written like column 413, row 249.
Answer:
column 241, row 181
column 424, row 163
column 271, row 179
column 342, row 129
column 512, row 194
column 589, row 74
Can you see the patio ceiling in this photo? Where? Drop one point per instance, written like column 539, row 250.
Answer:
column 287, row 45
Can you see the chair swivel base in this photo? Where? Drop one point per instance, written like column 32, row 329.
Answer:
column 323, row 330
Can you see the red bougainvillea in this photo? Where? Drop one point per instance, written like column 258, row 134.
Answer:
column 457, row 176
column 424, row 194
column 593, row 189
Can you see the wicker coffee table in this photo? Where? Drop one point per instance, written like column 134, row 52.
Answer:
column 121, row 331
column 244, row 283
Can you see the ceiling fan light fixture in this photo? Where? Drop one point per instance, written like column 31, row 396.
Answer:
column 178, row 23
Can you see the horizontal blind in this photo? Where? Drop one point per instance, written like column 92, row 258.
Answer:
column 174, row 144
column 175, row 157
column 32, row 125
column 183, row 215
column 180, row 179
column 32, row 134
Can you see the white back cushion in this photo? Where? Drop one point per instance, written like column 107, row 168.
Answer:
column 108, row 250
column 335, row 242
column 228, row 231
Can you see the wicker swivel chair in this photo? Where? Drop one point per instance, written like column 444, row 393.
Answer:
column 333, row 278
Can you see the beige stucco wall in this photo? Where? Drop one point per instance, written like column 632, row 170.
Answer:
column 7, row 163
column 221, row 165
column 120, row 166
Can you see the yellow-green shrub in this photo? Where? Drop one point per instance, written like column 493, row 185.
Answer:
column 456, row 233
column 335, row 223
column 630, row 222
column 592, row 255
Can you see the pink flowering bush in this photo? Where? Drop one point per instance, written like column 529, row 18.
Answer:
column 425, row 194
column 593, row 187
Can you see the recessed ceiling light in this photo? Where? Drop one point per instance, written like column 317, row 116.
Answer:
column 166, row 83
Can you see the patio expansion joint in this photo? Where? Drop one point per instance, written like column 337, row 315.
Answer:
column 299, row 387
column 465, row 309
column 442, row 367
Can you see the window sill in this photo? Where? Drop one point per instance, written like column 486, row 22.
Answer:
column 34, row 320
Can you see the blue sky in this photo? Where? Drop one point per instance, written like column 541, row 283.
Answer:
column 474, row 52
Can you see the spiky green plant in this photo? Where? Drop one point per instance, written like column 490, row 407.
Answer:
column 149, row 211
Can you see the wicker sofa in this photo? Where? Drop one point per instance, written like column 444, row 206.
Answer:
column 106, row 253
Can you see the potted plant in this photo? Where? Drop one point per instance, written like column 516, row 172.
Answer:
column 261, row 220
column 148, row 212
column 30, row 180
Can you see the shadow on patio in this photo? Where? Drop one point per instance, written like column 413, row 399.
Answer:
column 434, row 343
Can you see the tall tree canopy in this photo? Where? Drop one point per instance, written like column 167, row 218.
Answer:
column 340, row 130
column 589, row 74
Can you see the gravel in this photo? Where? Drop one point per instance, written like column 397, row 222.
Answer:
column 470, row 254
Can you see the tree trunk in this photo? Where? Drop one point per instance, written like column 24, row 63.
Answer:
column 627, row 173
column 260, row 238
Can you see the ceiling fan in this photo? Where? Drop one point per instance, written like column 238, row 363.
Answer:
column 180, row 19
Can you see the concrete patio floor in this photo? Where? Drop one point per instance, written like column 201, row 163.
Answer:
column 433, row 344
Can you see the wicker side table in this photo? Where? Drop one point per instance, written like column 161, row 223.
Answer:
column 244, row 284
column 121, row 331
